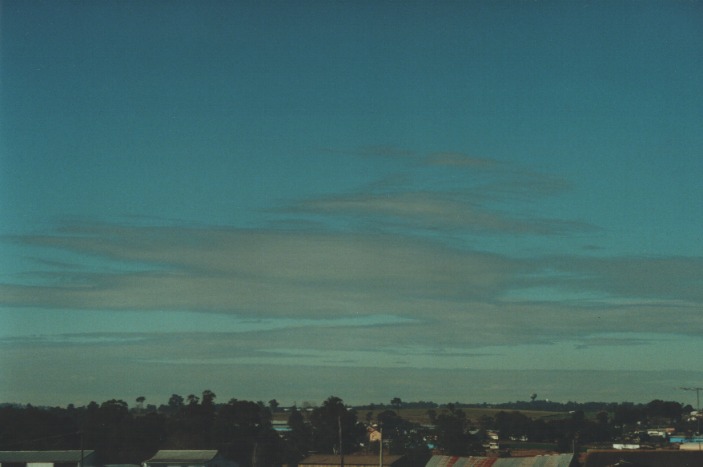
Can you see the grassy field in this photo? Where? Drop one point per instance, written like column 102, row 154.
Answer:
column 420, row 415
column 473, row 414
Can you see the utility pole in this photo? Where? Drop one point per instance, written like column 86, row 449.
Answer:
column 698, row 404
column 82, row 451
column 341, row 447
column 380, row 446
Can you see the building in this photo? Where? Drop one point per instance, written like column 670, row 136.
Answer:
column 188, row 458
column 77, row 458
column 331, row 460
column 691, row 447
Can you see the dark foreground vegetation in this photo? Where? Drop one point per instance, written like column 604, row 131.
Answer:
column 246, row 430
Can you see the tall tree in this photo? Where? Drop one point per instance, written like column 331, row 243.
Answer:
column 299, row 438
column 244, row 433
column 328, row 421
column 110, row 430
column 140, row 403
column 452, row 432
column 208, row 399
column 175, row 402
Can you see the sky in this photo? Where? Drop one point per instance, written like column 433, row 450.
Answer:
column 432, row 200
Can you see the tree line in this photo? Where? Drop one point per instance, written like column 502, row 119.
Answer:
column 241, row 430
column 244, row 430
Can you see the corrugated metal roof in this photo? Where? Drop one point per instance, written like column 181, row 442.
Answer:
column 547, row 460
column 662, row 458
column 177, row 456
column 43, row 456
column 351, row 460
column 455, row 461
column 475, row 461
column 555, row 460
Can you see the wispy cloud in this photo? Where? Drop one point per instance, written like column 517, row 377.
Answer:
column 641, row 279
column 432, row 210
column 154, row 367
column 314, row 275
column 455, row 159
column 383, row 289
column 446, row 191
column 254, row 271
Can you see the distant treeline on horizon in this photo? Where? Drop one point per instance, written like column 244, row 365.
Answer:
column 535, row 404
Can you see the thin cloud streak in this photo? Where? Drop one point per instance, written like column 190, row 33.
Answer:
column 435, row 211
column 447, row 192
column 444, row 292
column 251, row 271
column 142, row 367
column 314, row 275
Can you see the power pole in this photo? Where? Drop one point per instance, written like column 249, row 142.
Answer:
column 82, row 451
column 380, row 446
column 341, row 447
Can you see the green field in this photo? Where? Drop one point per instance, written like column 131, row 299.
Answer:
column 420, row 415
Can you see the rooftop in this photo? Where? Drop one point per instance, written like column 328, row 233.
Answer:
column 199, row 456
column 43, row 456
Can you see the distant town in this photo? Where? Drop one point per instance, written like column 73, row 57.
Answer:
column 201, row 431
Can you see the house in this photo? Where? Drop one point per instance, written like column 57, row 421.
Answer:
column 331, row 460
column 76, row 458
column 188, row 458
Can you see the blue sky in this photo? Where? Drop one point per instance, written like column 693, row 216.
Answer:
column 444, row 201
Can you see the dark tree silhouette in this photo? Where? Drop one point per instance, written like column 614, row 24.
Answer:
column 452, row 433
column 326, row 422
column 273, row 405
column 397, row 402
